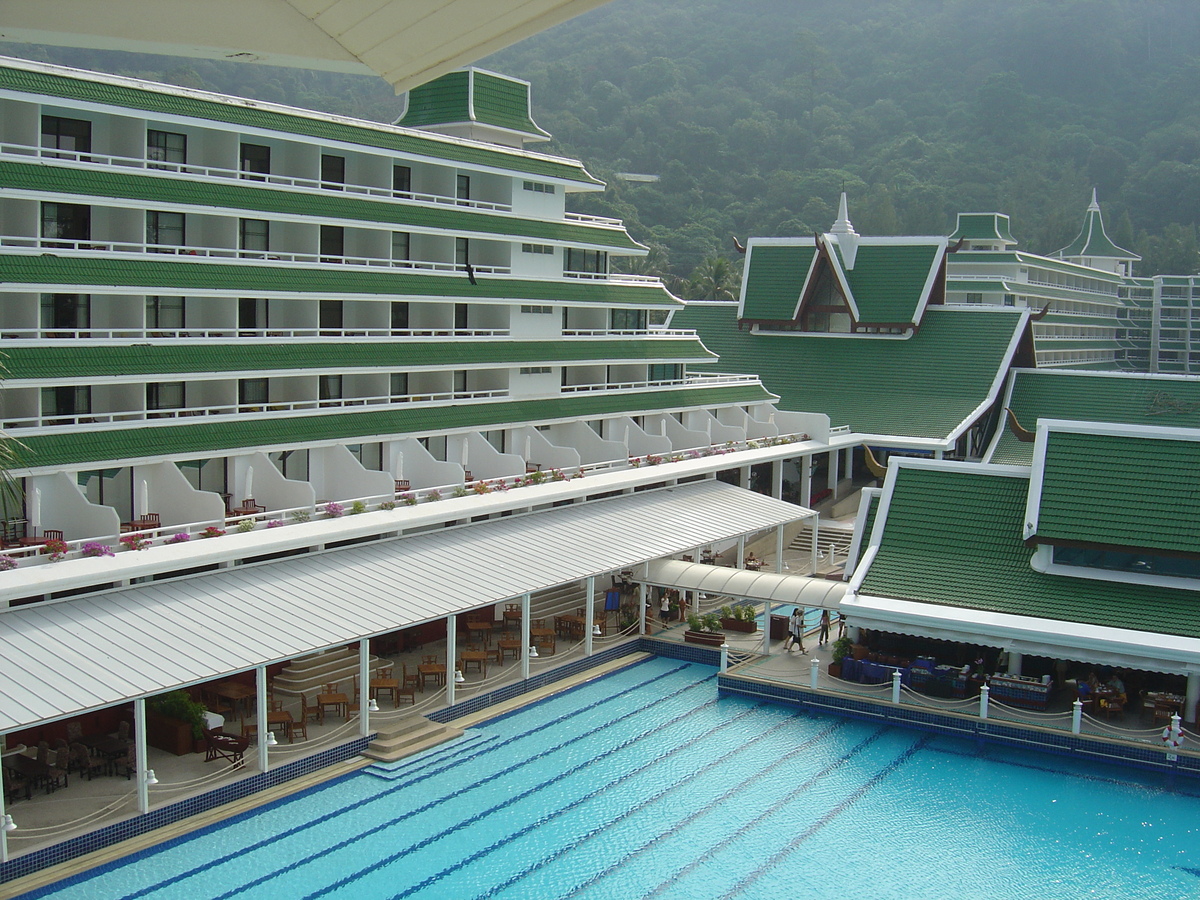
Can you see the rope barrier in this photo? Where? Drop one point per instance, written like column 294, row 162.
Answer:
column 26, row 832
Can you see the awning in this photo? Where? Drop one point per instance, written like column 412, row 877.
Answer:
column 743, row 584
column 1098, row 644
column 68, row 657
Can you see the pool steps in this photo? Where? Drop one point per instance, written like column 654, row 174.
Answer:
column 470, row 742
column 412, row 735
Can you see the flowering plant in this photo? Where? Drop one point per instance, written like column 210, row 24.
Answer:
column 135, row 541
column 558, row 475
column 461, row 491
column 334, row 510
column 433, row 496
column 6, row 563
column 95, row 548
column 388, row 504
column 212, row 531
column 182, row 538
column 408, row 499
column 275, row 523
column 246, row 525
column 301, row 515
column 481, row 487
column 652, row 460
column 55, row 549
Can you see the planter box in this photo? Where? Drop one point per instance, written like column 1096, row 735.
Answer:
column 708, row 638
column 859, row 651
column 835, row 669
column 171, row 735
column 738, row 625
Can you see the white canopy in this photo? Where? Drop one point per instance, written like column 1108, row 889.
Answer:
column 75, row 655
column 743, row 584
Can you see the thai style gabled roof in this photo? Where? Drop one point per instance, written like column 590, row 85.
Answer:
column 1092, row 240
column 983, row 227
column 1115, row 397
column 928, row 385
column 1115, row 487
column 473, row 96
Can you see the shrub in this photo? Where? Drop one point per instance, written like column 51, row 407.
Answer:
column 246, row 525
column 95, row 548
column 212, row 531
column 388, row 504
column 433, row 496
column 135, row 542
column 6, row 563
column 182, row 538
column 55, row 549
column 358, row 507
column 408, row 499
column 461, row 491
column 301, row 515
column 334, row 510
column 275, row 523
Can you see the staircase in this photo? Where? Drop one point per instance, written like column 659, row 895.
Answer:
column 410, row 735
column 306, row 674
column 839, row 538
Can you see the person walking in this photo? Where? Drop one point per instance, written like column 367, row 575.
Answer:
column 823, row 635
column 795, row 630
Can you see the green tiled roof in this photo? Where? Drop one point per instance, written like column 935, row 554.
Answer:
column 1092, row 239
column 225, row 194
column 187, row 274
column 774, row 279
column 472, row 95
column 1109, row 397
column 888, row 280
column 167, row 101
column 209, row 438
column 90, row 361
column 982, row 227
column 954, row 538
column 924, row 386
column 1148, row 490
column 863, row 530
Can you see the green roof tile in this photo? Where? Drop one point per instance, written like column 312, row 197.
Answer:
column 983, row 227
column 925, row 386
column 774, row 278
column 95, row 182
column 159, row 276
column 154, row 99
column 888, row 280
column 209, row 438
column 1148, row 489
column 90, row 361
column 445, row 99
column 986, row 564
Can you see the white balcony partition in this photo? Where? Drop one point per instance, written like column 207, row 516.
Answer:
column 485, row 461
column 269, row 488
column 55, row 501
column 422, row 469
column 718, row 433
column 681, row 438
column 169, row 494
column 815, row 425
column 753, row 428
column 541, row 453
column 636, row 439
column 592, row 448
column 336, row 474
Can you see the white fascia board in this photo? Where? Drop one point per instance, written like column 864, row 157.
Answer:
column 860, row 539
column 1043, row 561
column 925, row 445
column 1005, row 403
column 930, row 279
column 829, row 246
column 997, row 382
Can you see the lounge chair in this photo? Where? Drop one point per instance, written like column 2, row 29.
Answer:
column 222, row 745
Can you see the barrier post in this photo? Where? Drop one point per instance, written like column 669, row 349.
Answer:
column 814, row 670
column 724, row 657
column 896, row 688
column 1076, row 716
column 985, row 693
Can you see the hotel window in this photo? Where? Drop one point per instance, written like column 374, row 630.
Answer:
column 461, row 316
column 330, row 387
column 399, row 385
column 627, row 320
column 974, row 297
column 333, row 244
column 72, row 136
column 166, row 228
column 66, row 400
column 462, row 187
column 462, row 251
column 536, row 310
column 538, row 187
column 333, row 171
column 66, row 221
column 166, row 146
column 254, row 235
column 253, row 392
column 164, row 312
column 330, row 316
column 460, row 381
column 666, row 372
column 252, row 313
column 1010, row 300
column 400, row 245
column 256, row 161
column 537, row 248
column 165, row 395
column 69, row 311
column 400, row 315
column 402, row 179
column 534, row 370
column 586, row 261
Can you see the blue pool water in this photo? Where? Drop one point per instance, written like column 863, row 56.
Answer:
column 644, row 784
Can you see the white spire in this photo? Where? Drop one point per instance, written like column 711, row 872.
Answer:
column 842, row 225
column 1094, row 206
column 844, row 235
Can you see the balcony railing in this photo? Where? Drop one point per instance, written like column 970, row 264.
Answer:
column 230, row 331
column 689, row 382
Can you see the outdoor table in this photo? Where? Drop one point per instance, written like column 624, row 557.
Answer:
column 548, row 633
column 478, row 657
column 386, row 684
column 512, row 615
column 338, row 701
column 506, row 646
column 435, row 670
column 280, row 717
column 28, row 768
column 235, row 692
column 482, row 628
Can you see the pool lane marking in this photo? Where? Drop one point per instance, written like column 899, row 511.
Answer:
column 654, row 798
column 861, row 791
column 395, row 785
column 547, row 817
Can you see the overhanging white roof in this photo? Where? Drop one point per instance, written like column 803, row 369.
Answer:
column 723, row 581
column 1098, row 644
column 68, row 657
column 407, row 42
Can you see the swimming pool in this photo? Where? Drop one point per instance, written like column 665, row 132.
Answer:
column 645, row 784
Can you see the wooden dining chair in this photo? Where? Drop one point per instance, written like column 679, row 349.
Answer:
column 299, row 729
column 330, row 688
column 309, row 711
column 52, row 534
column 412, row 681
column 429, row 659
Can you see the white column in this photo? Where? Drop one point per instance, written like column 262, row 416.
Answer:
column 3, row 822
column 744, row 477
column 451, row 652
column 806, row 479
column 139, row 749
column 779, row 549
column 1014, row 663
column 777, row 479
column 589, row 615
column 525, row 636
column 260, row 712
column 938, row 454
column 814, row 672
column 895, row 688
column 740, row 562
column 642, row 604
column 364, row 683
column 766, row 647
column 814, row 522
column 849, row 462
column 832, row 480
column 1076, row 716
column 1192, row 697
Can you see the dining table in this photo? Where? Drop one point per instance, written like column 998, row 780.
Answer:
column 280, row 717
column 28, row 767
column 543, row 635
column 337, row 700
column 235, row 692
column 436, row 671
column 480, row 629
column 507, row 646
column 513, row 616
column 392, row 685
column 478, row 658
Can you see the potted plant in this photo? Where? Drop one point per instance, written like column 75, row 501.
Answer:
column 705, row 630
column 174, row 722
column 840, row 650
column 739, row 618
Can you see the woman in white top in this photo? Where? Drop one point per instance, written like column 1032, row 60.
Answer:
column 795, row 630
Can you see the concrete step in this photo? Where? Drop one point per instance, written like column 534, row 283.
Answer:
column 396, row 770
column 307, row 674
column 412, row 735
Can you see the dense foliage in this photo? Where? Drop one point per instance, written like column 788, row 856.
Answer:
column 755, row 114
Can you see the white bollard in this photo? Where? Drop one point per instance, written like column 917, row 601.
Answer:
column 896, row 688
column 724, row 657
column 814, row 670
column 1076, row 716
column 984, row 695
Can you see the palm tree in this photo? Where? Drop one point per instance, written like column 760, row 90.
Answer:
column 714, row 279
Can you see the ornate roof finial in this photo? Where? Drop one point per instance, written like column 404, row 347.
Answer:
column 1094, row 206
column 842, row 225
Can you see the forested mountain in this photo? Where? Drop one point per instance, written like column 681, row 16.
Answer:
column 755, row 114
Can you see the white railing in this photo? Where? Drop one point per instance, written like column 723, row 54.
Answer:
column 231, row 331
column 591, row 220
column 629, row 332
column 618, row 277
column 315, row 184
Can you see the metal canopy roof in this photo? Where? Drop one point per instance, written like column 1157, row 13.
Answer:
column 406, row 43
column 796, row 590
column 72, row 656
